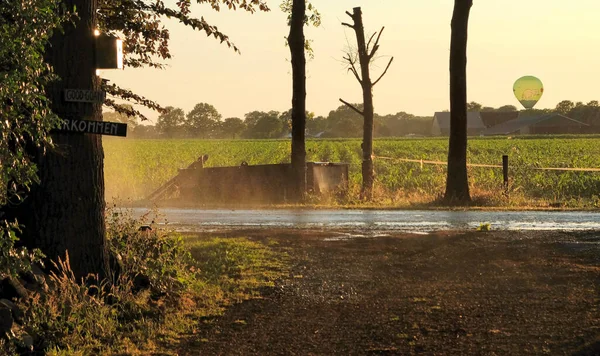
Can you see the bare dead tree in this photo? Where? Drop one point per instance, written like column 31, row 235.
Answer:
column 366, row 54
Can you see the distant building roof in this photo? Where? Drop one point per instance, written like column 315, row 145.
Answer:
column 515, row 125
column 473, row 120
column 493, row 118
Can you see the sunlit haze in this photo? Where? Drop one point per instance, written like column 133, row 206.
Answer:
column 555, row 40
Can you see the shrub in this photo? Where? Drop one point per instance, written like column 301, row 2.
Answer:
column 148, row 254
column 12, row 259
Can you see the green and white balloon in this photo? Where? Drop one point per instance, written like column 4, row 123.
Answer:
column 528, row 90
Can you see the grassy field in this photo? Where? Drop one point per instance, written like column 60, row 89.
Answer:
column 134, row 168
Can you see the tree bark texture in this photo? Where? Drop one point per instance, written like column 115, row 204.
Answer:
column 296, row 42
column 368, row 173
column 65, row 212
column 457, row 184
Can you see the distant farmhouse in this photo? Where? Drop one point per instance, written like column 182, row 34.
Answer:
column 538, row 125
column 509, row 123
column 493, row 118
column 441, row 124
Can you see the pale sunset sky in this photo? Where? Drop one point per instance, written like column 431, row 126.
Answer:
column 556, row 40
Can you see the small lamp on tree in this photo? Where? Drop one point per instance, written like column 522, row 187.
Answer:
column 109, row 51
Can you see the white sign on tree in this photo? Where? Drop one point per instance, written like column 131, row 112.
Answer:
column 84, row 96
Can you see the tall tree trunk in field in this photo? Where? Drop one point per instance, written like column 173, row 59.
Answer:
column 296, row 44
column 65, row 212
column 457, row 183
column 366, row 53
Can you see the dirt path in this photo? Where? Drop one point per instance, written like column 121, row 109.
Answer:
column 496, row 293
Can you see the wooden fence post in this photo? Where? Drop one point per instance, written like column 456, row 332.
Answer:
column 505, row 171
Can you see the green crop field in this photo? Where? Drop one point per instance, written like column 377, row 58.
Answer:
column 134, row 168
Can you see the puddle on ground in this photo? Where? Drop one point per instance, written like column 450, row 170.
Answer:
column 339, row 238
column 350, row 236
column 420, row 222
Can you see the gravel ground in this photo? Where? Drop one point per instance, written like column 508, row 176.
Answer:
column 445, row 293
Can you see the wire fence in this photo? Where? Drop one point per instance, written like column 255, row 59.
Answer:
column 440, row 163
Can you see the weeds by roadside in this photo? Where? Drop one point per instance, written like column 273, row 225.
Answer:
column 161, row 287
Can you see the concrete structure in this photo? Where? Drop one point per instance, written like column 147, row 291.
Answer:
column 245, row 184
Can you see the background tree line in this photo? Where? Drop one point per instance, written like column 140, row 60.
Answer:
column 205, row 122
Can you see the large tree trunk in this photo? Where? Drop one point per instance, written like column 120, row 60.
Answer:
column 296, row 43
column 368, row 173
column 457, row 184
column 65, row 212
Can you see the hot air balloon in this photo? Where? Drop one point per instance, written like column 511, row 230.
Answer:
column 528, row 90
